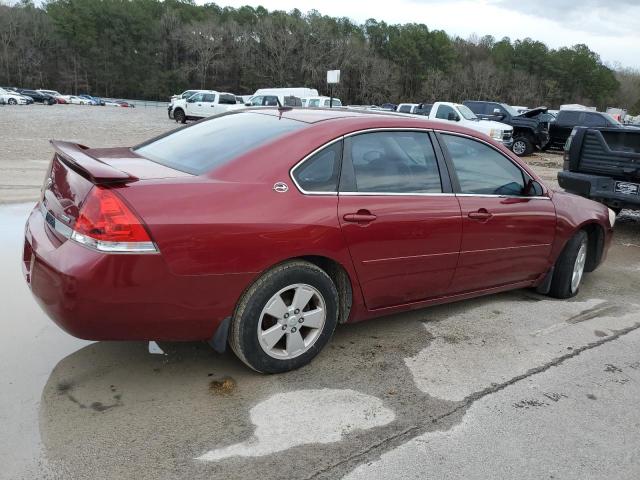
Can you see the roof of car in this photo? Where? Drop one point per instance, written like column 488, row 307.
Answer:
column 314, row 115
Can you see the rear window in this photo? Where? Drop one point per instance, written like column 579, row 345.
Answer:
column 209, row 144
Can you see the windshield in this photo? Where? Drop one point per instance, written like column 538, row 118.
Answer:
column 512, row 111
column 211, row 143
column 466, row 112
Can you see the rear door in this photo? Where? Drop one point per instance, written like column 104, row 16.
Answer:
column 400, row 219
column 508, row 225
column 561, row 128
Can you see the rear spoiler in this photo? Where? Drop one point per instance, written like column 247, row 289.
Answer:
column 75, row 156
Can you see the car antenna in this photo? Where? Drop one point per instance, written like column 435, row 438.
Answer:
column 281, row 108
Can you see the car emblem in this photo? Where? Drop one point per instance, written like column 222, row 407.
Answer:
column 280, row 187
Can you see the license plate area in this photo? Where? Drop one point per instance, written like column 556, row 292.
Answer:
column 627, row 188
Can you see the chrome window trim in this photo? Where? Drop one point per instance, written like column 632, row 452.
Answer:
column 297, row 165
column 396, row 194
column 485, row 195
column 471, row 137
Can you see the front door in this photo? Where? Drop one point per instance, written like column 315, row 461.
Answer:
column 508, row 226
column 399, row 217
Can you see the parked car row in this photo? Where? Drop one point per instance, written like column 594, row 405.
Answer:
column 25, row 96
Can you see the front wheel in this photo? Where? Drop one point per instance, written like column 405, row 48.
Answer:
column 522, row 146
column 570, row 267
column 12, row 101
column 179, row 116
column 285, row 318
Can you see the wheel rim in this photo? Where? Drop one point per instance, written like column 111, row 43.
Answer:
column 578, row 267
column 12, row 101
column 519, row 147
column 291, row 321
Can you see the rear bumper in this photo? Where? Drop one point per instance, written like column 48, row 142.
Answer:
column 597, row 187
column 99, row 296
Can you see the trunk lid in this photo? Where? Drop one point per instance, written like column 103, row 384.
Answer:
column 75, row 169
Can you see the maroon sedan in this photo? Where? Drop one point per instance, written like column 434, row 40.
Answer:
column 265, row 228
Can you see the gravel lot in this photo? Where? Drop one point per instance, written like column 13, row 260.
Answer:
column 514, row 385
column 26, row 131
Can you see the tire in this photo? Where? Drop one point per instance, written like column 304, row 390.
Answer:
column 12, row 101
column 522, row 146
column 179, row 116
column 276, row 292
column 573, row 258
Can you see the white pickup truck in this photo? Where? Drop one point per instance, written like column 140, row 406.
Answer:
column 204, row 104
column 463, row 116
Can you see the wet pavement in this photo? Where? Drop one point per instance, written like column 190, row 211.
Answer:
column 514, row 385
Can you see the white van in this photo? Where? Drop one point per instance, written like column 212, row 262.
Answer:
column 288, row 97
column 311, row 102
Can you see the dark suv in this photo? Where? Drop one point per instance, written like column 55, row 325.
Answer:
column 528, row 132
column 567, row 120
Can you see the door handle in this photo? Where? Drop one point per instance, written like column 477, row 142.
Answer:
column 481, row 214
column 361, row 217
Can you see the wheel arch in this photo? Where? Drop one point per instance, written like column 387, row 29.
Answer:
column 341, row 279
column 595, row 245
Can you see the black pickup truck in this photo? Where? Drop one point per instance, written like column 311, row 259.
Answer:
column 528, row 132
column 566, row 120
column 603, row 164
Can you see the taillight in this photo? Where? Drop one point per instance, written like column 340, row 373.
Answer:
column 107, row 224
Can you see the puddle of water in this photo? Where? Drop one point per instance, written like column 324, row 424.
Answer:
column 301, row 417
column 30, row 346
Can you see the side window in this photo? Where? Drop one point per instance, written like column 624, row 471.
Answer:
column 292, row 101
column 257, row 101
column 209, row 97
column 227, row 99
column 405, row 108
column 320, row 172
column 594, row 120
column 196, row 98
column 568, row 118
column 315, row 102
column 482, row 170
column 393, row 162
column 444, row 111
column 270, row 101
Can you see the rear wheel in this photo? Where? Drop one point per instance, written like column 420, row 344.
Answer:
column 285, row 318
column 570, row 267
column 179, row 116
column 522, row 146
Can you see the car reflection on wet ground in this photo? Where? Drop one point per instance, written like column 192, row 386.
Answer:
column 76, row 409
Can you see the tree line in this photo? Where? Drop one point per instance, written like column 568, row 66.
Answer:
column 150, row 49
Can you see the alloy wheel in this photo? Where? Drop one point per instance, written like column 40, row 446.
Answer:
column 291, row 321
column 519, row 147
column 578, row 266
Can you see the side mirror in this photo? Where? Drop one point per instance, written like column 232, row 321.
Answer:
column 453, row 117
column 191, row 100
column 248, row 104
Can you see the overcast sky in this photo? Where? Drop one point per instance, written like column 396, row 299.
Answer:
column 609, row 27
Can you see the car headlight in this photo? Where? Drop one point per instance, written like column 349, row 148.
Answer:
column 496, row 134
column 612, row 217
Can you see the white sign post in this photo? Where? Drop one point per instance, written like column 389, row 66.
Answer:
column 333, row 77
